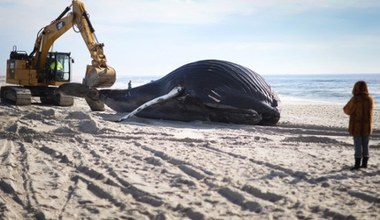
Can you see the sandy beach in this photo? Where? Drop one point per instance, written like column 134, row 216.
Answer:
column 71, row 163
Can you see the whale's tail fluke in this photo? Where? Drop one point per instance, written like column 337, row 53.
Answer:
column 74, row 89
column 83, row 91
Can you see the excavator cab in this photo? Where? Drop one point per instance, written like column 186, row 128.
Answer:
column 58, row 67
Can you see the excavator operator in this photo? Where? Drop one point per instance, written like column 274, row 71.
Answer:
column 56, row 70
column 56, row 63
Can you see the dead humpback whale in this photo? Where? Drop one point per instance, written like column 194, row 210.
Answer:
column 207, row 90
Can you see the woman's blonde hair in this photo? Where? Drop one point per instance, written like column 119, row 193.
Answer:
column 360, row 88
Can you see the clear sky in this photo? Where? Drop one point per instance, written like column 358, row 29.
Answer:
column 153, row 37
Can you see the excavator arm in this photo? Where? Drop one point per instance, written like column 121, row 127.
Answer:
column 98, row 74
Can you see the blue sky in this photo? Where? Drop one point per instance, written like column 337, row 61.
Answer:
column 153, row 37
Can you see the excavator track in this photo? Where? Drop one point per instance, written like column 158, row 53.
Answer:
column 16, row 95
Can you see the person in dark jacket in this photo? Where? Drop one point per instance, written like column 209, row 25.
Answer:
column 360, row 108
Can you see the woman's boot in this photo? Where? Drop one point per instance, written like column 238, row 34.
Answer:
column 357, row 164
column 364, row 163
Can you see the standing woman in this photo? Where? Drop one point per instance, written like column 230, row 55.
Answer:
column 359, row 108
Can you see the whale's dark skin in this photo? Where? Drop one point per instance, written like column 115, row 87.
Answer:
column 213, row 90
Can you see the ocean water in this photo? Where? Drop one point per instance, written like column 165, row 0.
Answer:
column 333, row 88
column 327, row 88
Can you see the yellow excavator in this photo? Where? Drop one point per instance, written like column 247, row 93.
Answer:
column 39, row 73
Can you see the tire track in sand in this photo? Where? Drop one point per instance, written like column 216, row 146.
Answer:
column 300, row 176
column 128, row 187
column 99, row 183
column 237, row 198
column 18, row 183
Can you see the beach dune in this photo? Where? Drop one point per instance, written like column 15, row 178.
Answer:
column 71, row 163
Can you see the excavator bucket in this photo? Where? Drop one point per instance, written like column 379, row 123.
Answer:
column 99, row 77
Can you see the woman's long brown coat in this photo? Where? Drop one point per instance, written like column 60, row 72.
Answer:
column 359, row 108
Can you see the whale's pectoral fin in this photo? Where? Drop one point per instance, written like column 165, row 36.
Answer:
column 174, row 92
column 79, row 90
